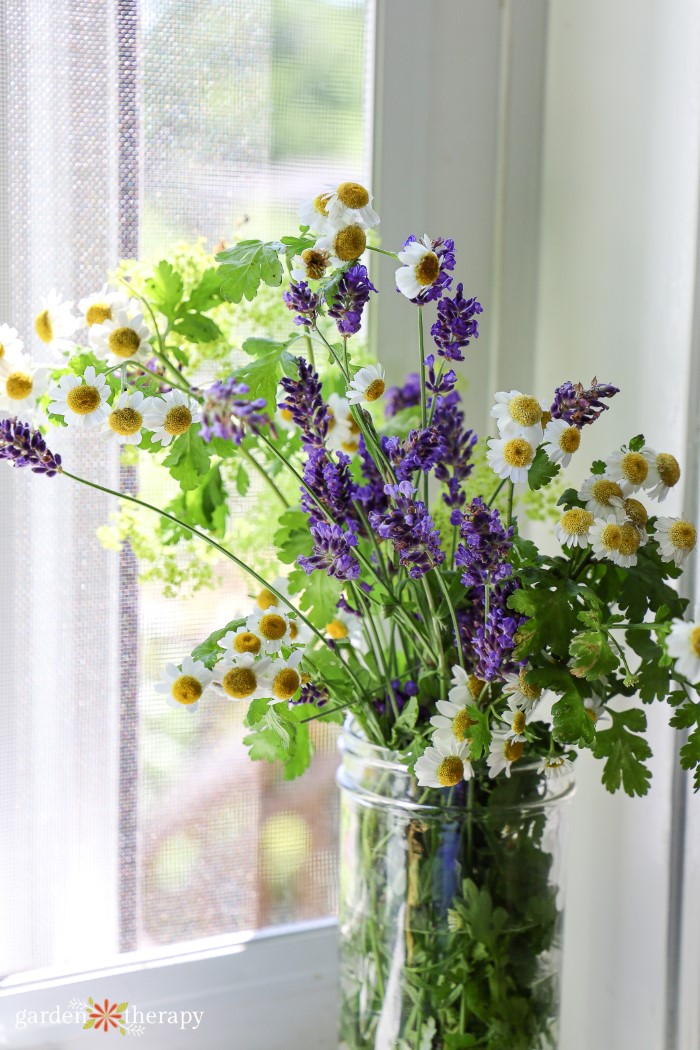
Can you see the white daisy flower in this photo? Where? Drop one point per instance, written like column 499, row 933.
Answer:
column 81, row 402
column 21, row 383
column 343, row 431
column 101, row 306
column 664, row 474
column 676, row 539
column 367, row 385
column 351, row 202
column 617, row 542
column 242, row 641
column 603, row 496
column 283, row 678
column 594, row 707
column 314, row 212
column 554, row 766
column 518, row 415
column 453, row 722
column 503, row 753
column 629, row 469
column 120, row 338
column 243, row 677
column 444, row 764
column 574, row 528
column 561, row 441
column 127, row 417
column 299, row 633
column 421, row 267
column 632, row 510
column 465, row 688
column 272, row 625
column 310, row 265
column 183, row 686
column 343, row 244
column 516, row 718
column 171, row 415
column 265, row 598
column 56, row 323
column 523, row 695
column 683, row 644
column 11, row 347
column 344, row 627
column 510, row 458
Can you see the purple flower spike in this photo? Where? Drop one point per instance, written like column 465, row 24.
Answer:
column 23, row 446
column 456, row 325
column 445, row 384
column 350, row 298
column 332, row 485
column 400, row 397
column 226, row 411
column 305, row 404
column 301, row 299
column 578, row 406
column 455, row 465
column 411, row 530
column 332, row 552
column 486, row 544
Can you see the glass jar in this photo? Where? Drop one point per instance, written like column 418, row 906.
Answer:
column 451, row 906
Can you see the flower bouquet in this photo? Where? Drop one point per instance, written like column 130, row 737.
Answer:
column 468, row 667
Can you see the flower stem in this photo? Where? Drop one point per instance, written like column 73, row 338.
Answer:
column 453, row 616
column 511, row 486
column 381, row 251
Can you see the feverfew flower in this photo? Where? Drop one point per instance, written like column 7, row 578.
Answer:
column 55, row 324
column 683, row 644
column 554, row 766
column 423, row 276
column 345, row 627
column 603, row 496
column 574, row 528
column 120, row 338
column 676, row 539
column 343, row 431
column 664, row 474
column 617, row 542
column 11, row 347
column 272, row 626
column 242, row 641
column 453, row 722
column 100, row 306
column 344, row 244
column 267, row 597
column 126, row 419
column 629, row 469
column 444, row 764
column 243, row 677
column 510, row 458
column 518, row 415
column 516, row 718
column 81, row 402
column 351, row 202
column 309, row 266
column 183, row 686
column 283, row 679
column 368, row 385
column 561, row 441
column 314, row 212
column 171, row 415
column 523, row 695
column 504, row 752
column 21, row 383
column 594, row 707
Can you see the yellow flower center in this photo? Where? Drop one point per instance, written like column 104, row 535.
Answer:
column 530, row 692
column 636, row 512
column 239, row 682
column 337, row 629
column 682, row 535
column 18, row 385
column 669, row 471
column 43, row 327
column 428, row 269
column 246, row 642
column 555, row 763
column 525, row 410
column 98, row 313
column 124, row 342
column 350, row 242
column 475, row 686
column 83, row 399
column 569, row 440
column 461, row 725
column 293, row 630
column 695, row 640
column 315, row 263
column 286, row 683
column 272, row 626
column 353, row 195
column 450, row 771
column 634, row 468
column 513, row 750
column 187, row 689
column 265, row 599
column 519, row 722
column 611, row 536
column 629, row 539
column 286, row 415
column 576, row 521
column 518, row 452
column 603, row 491
column 125, row 421
column 178, row 420
column 349, row 446
column 375, row 390
column 546, row 418
column 320, row 202
column 354, row 426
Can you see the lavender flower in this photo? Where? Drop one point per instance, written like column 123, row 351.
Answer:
column 349, row 299
column 456, row 326
column 400, row 397
column 458, row 442
column 421, row 450
column 331, row 484
column 486, row 544
column 332, row 552
column 314, row 694
column 372, row 495
column 25, row 447
column 305, row 302
column 306, row 405
column 445, row 384
column 410, row 528
column 226, row 411
column 578, row 406
column 495, row 640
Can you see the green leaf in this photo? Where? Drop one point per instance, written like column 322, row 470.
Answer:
column 188, row 459
column 569, row 498
column 551, row 623
column 242, row 481
column 319, row 595
column 690, row 756
column 198, row 328
column 408, row 717
column 206, row 506
column 527, row 552
column 592, row 655
column 643, row 587
column 480, row 742
column 263, row 374
column 637, row 443
column 542, row 470
column 208, row 651
column 165, row 289
column 654, row 670
column 261, row 346
column 245, row 265
column 207, row 293
column 625, row 752
column 293, row 537
column 90, row 1023
column 570, row 721
column 296, row 245
column 598, row 466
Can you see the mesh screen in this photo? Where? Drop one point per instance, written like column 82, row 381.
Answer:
column 130, row 128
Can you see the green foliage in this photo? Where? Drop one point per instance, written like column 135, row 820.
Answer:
column 552, row 619
column 625, row 752
column 542, row 470
column 280, row 734
column 271, row 361
column 204, row 507
column 293, row 536
column 318, row 593
column 245, row 265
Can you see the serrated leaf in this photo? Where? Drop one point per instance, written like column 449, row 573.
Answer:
column 207, row 293
column 592, row 655
column 480, row 733
column 598, row 466
column 293, row 537
column 569, row 498
column 551, row 623
column 637, row 443
column 242, row 481
column 624, row 752
column 690, row 756
column 208, row 651
column 263, row 374
column 205, row 506
column 295, row 245
column 188, row 459
column 245, row 265
column 198, row 328
column 165, row 288
column 319, row 595
column 542, row 470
